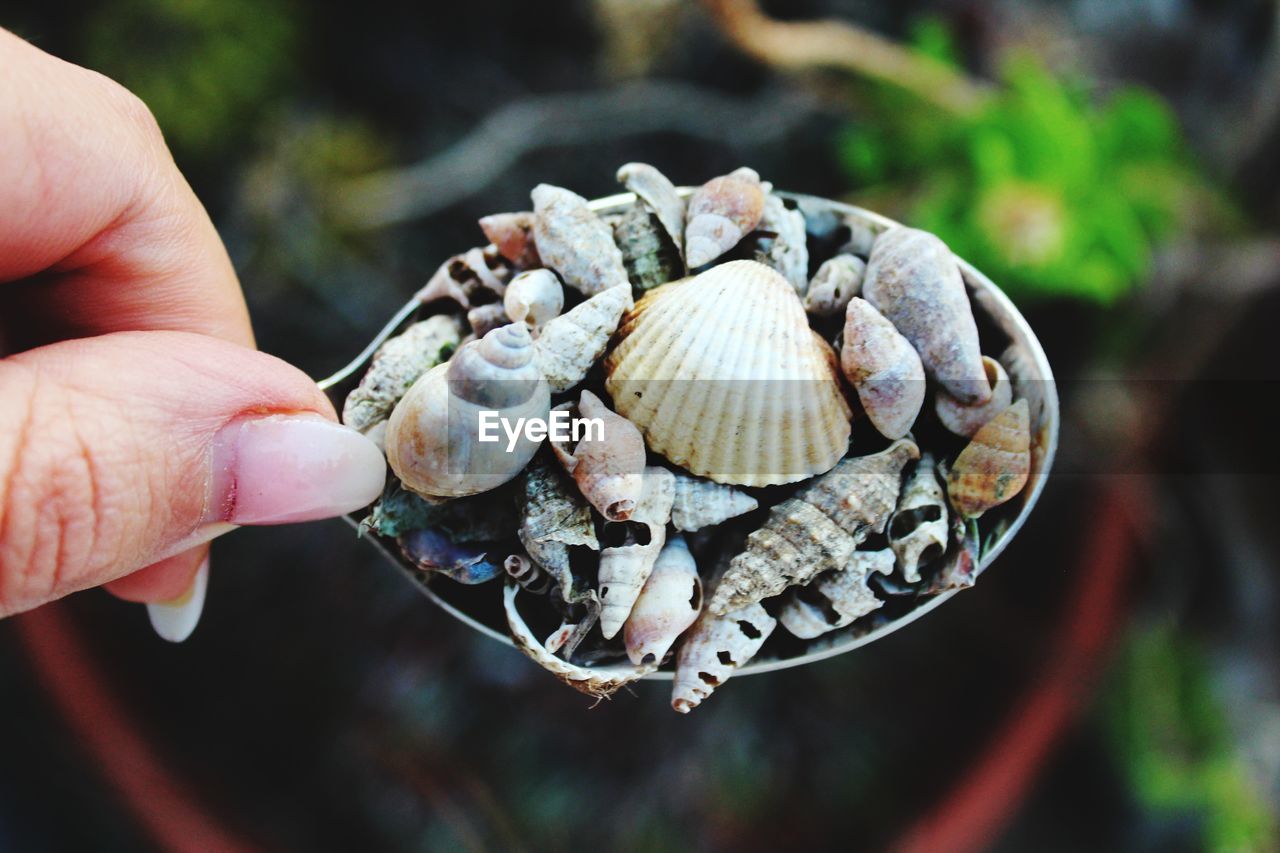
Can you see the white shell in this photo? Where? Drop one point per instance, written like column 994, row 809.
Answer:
column 713, row 648
column 725, row 378
column 835, row 599
column 395, row 367
column 570, row 344
column 701, row 503
column 534, row 297
column 625, row 568
column 967, row 420
column 920, row 521
column 668, row 604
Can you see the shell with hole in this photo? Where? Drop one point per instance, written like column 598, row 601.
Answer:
column 725, row 378
column 913, row 279
column 396, row 366
column 608, row 462
column 570, row 344
column 883, row 368
column 783, row 243
column 720, row 213
column 575, row 242
column 918, row 528
column 818, row 529
column 554, row 517
column 625, row 568
column 433, row 436
column 835, row 599
column 713, row 649
column 838, row 280
column 701, row 503
column 668, row 604
column 534, row 298
column 966, row 420
column 994, row 466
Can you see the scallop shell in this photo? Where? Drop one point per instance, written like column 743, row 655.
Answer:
column 883, row 368
column 724, row 377
column 701, row 503
column 512, row 236
column 607, row 464
column 569, row 345
column 918, row 529
column 994, row 466
column 659, row 195
column 534, row 297
column 713, row 649
column 818, row 529
column 396, row 366
column 668, row 604
column 966, row 420
column 600, row 682
column 721, row 212
column 838, row 280
column 651, row 259
column 575, row 242
column 625, row 568
column 433, row 435
column 554, row 518
column 785, row 245
column 835, row 599
column 912, row 278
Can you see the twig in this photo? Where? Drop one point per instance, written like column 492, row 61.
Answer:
column 837, row 44
column 501, row 139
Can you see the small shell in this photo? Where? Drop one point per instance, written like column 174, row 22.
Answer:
column 659, row 194
column 713, row 649
column 1027, row 382
column 836, row 282
column 607, row 464
column 534, row 297
column 434, row 552
column 959, row 568
column 486, row 318
column 396, row 366
column 554, row 518
column 918, row 529
column 575, row 242
column 721, row 212
column 443, row 285
column 433, row 436
column 569, row 345
column 862, row 235
column 818, row 529
column 967, row 420
column 786, row 248
column 525, row 572
column 883, row 368
column 512, row 235
column 648, row 254
column 912, row 278
column 994, row 466
column 600, row 682
column 725, row 378
column 668, row 604
column 625, row 568
column 835, row 599
column 701, row 503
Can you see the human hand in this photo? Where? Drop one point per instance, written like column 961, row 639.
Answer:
column 137, row 422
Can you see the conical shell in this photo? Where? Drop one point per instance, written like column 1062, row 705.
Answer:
column 818, row 529
column 534, row 297
column 625, row 568
column 784, row 244
column 883, row 368
column 570, row 344
column 658, row 194
column 918, row 529
column 396, row 366
column 994, row 466
column 668, row 604
column 600, row 682
column 553, row 518
column 838, row 280
column 835, row 599
column 725, row 378
column 1026, row 380
column 721, row 212
column 434, row 434
column 967, row 420
column 608, row 461
column 713, row 649
column 912, row 278
column 512, row 235
column 648, row 254
column 575, row 242
column 701, row 503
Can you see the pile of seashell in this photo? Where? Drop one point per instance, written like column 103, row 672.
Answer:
column 777, row 448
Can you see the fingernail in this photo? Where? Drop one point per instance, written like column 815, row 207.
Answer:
column 174, row 620
column 285, row 468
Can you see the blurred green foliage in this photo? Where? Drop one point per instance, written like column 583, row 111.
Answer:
column 1044, row 189
column 1171, row 733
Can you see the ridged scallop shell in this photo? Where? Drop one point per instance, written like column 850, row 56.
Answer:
column 433, row 435
column 818, row 529
column 913, row 279
column 668, row 604
column 725, row 378
column 657, row 193
column 835, row 599
column 883, row 368
column 575, row 242
column 967, row 420
column 838, row 280
column 701, row 503
column 721, row 212
column 784, row 244
column 625, row 568
column 713, row 649
column 918, row 528
column 569, row 345
column 607, row 464
column 994, row 466
column 534, row 298
column 396, row 366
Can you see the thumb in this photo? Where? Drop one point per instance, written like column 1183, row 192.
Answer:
column 122, row 450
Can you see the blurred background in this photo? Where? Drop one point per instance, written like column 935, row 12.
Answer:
column 1113, row 682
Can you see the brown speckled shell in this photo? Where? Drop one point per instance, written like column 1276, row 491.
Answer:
column 994, row 466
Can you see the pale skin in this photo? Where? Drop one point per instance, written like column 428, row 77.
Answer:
column 126, row 345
